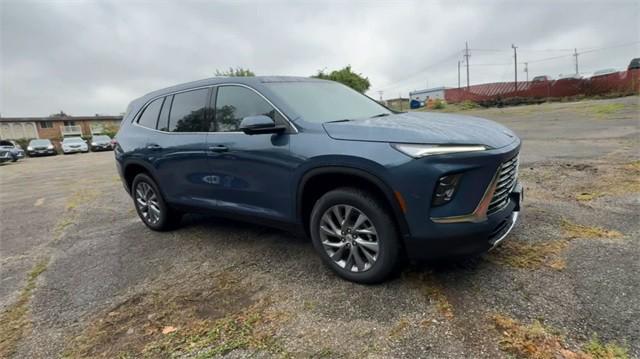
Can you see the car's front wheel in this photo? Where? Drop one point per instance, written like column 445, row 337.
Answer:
column 150, row 205
column 355, row 235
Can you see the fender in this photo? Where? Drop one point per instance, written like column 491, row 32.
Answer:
column 142, row 164
column 377, row 181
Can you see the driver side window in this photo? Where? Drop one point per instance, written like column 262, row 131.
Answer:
column 233, row 103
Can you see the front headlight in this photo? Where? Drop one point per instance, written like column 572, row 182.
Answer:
column 50, row 147
column 93, row 144
column 29, row 148
column 417, row 151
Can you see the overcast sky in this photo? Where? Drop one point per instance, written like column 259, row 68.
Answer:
column 88, row 57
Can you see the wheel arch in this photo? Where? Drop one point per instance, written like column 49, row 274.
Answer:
column 317, row 181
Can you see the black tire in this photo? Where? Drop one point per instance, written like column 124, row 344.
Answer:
column 168, row 218
column 389, row 246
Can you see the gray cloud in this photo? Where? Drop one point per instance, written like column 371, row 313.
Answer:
column 94, row 57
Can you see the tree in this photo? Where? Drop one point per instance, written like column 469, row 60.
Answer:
column 347, row 77
column 237, row 72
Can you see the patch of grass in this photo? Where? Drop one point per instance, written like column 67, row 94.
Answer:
column 531, row 341
column 573, row 230
column 526, row 255
column 205, row 316
column 14, row 321
column 399, row 328
column 605, row 109
column 586, row 196
column 598, row 350
column 433, row 290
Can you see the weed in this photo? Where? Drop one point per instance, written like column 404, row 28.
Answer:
column 599, row 350
column 573, row 230
column 520, row 254
column 14, row 321
column 605, row 109
column 399, row 328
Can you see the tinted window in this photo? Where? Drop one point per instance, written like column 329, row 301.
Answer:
column 163, row 121
column 189, row 112
column 234, row 103
column 150, row 115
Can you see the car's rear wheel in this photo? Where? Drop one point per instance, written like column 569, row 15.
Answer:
column 150, row 205
column 355, row 235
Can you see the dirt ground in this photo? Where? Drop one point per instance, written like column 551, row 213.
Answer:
column 82, row 277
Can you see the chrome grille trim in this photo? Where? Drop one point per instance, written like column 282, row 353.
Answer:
column 507, row 178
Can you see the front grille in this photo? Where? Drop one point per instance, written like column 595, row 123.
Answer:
column 507, row 178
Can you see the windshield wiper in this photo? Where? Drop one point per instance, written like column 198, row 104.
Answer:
column 381, row 115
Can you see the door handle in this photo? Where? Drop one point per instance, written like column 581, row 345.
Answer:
column 219, row 148
column 154, row 147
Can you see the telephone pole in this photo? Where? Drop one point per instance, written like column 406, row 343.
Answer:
column 380, row 92
column 458, row 73
column 515, row 64
column 575, row 54
column 526, row 70
column 466, row 56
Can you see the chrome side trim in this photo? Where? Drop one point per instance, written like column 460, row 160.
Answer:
column 514, row 219
column 480, row 213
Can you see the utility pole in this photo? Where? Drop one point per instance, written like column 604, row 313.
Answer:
column 466, row 56
column 526, row 70
column 458, row 73
column 380, row 92
column 575, row 54
column 515, row 64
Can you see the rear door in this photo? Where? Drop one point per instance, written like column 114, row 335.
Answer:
column 178, row 148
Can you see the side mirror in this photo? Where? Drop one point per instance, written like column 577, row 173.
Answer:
column 255, row 125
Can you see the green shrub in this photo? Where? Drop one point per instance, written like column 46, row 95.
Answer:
column 23, row 142
column 468, row 105
column 438, row 104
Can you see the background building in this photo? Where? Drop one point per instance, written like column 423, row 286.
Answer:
column 58, row 126
column 428, row 94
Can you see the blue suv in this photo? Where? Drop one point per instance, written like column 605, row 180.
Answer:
column 367, row 184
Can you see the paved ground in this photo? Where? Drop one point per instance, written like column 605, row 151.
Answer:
column 82, row 277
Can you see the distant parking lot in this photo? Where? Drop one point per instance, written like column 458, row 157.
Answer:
column 82, row 276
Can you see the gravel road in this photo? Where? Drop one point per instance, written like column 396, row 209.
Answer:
column 82, row 277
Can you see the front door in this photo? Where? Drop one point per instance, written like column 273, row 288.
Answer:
column 250, row 174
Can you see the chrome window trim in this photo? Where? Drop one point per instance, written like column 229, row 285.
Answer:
column 142, row 108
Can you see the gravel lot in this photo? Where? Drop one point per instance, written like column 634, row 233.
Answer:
column 82, row 277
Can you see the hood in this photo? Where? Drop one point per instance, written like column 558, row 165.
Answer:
column 423, row 128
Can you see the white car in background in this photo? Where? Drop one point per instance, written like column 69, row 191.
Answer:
column 73, row 145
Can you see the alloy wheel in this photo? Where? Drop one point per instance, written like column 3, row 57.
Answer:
column 349, row 238
column 147, row 203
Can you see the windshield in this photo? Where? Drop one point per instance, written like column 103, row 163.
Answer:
column 73, row 140
column 101, row 138
column 326, row 101
column 39, row 143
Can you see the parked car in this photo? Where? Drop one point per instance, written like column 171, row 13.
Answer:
column 41, row 147
column 73, row 145
column 542, row 78
column 366, row 183
column 5, row 156
column 569, row 77
column 14, row 149
column 634, row 64
column 101, row 143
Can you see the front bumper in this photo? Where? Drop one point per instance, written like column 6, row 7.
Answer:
column 465, row 239
column 74, row 150
column 41, row 152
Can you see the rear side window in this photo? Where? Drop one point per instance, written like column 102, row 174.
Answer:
column 189, row 111
column 163, row 120
column 233, row 103
column 150, row 115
